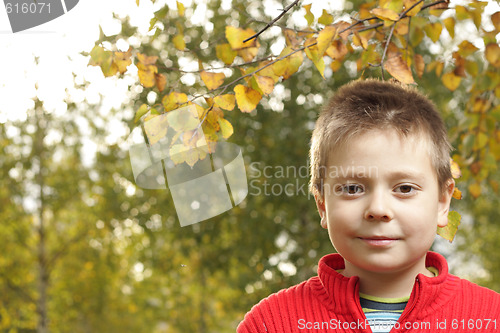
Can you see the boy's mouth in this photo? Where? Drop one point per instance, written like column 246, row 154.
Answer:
column 379, row 241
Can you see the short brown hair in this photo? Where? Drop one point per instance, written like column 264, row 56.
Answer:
column 364, row 105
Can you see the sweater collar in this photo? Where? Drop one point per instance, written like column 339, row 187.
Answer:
column 340, row 294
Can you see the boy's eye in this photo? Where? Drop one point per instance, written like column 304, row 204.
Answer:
column 405, row 189
column 350, row 189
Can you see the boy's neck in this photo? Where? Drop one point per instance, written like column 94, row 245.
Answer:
column 387, row 285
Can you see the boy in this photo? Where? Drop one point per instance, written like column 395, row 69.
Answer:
column 380, row 174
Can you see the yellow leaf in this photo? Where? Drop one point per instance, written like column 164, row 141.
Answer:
column 439, row 68
column 461, row 13
column 495, row 19
column 402, row 27
column 267, row 70
column 466, row 48
column 212, row 80
column 225, row 127
column 212, row 119
column 180, row 9
column 111, row 70
column 100, row 57
column 291, row 38
column 480, row 142
column 147, row 74
column 122, row 60
column 395, row 5
column 183, row 119
column 335, row 65
column 137, row 2
column 472, row 67
column 266, row 84
column 174, row 100
column 416, row 9
column 449, row 231
column 191, row 156
column 455, row 169
column 433, row 31
column 199, row 110
column 149, row 117
column 337, row 50
column 313, row 54
column 140, row 112
column 290, row 65
column 179, row 42
column 325, row 18
column 226, row 102
column 475, row 190
column 480, row 105
column 364, row 11
column 236, row 36
column 360, row 40
column 451, row 81
column 398, row 68
column 385, row 14
column 325, row 38
column 309, row 16
column 416, row 36
column 156, row 129
column 355, row 40
column 457, row 194
column 419, row 64
column 177, row 153
column 248, row 54
column 388, row 23
column 449, row 24
column 225, row 53
column 161, row 81
column 246, row 98
column 146, row 60
column 459, row 65
column 492, row 53
column 342, row 28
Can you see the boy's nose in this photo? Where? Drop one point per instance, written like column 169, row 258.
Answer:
column 378, row 208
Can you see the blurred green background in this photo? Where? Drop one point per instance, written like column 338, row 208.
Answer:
column 86, row 250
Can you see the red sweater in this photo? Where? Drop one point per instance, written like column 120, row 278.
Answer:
column 329, row 302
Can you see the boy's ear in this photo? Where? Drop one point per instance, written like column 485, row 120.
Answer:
column 320, row 203
column 444, row 203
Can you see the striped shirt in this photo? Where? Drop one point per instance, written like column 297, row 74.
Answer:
column 383, row 313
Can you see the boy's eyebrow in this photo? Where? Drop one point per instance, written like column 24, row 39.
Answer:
column 406, row 174
column 373, row 173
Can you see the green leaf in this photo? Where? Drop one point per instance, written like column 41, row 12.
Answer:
column 140, row 112
column 309, row 16
column 225, row 127
column 325, row 19
column 449, row 231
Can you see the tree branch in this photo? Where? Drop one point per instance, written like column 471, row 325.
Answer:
column 402, row 15
column 270, row 24
column 17, row 288
column 385, row 49
column 216, row 68
column 64, row 250
column 263, row 67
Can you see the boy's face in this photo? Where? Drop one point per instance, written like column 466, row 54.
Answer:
column 382, row 203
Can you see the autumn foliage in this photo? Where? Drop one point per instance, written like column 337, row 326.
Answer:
column 383, row 36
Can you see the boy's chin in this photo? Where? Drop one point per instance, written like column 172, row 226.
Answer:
column 388, row 265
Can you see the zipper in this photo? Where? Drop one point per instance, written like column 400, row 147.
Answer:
column 405, row 314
